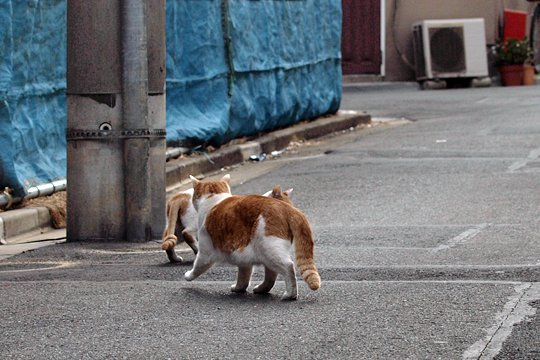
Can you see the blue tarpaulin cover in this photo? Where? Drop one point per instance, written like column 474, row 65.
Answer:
column 234, row 68
column 32, row 93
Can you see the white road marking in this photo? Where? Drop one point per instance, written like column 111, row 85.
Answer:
column 348, row 282
column 439, row 266
column 461, row 238
column 37, row 266
column 533, row 155
column 515, row 310
column 411, row 226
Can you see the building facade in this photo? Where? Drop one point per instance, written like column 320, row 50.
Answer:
column 377, row 39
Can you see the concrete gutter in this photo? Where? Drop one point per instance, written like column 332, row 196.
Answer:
column 17, row 226
column 20, row 224
column 179, row 171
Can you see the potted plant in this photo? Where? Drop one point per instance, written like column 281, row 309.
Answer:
column 512, row 57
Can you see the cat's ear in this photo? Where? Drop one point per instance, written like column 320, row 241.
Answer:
column 226, row 178
column 194, row 180
column 288, row 192
column 276, row 191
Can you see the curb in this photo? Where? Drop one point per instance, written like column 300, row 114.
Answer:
column 178, row 171
column 16, row 225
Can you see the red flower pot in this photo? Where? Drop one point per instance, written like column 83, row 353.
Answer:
column 511, row 75
column 528, row 75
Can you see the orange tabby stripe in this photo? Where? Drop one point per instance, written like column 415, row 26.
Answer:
column 231, row 223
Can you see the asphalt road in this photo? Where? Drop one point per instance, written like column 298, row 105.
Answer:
column 427, row 241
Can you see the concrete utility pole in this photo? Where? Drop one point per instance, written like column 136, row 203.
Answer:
column 116, row 119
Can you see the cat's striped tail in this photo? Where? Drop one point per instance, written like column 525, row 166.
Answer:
column 169, row 242
column 169, row 238
column 303, row 248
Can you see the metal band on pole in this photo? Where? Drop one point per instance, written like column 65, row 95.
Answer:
column 86, row 134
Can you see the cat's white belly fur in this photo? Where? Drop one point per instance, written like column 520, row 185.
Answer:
column 258, row 254
column 261, row 249
column 246, row 256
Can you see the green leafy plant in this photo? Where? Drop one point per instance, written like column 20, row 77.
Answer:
column 513, row 52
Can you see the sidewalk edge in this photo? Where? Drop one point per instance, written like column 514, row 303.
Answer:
column 17, row 224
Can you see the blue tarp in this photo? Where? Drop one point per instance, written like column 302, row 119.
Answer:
column 234, row 68
column 32, row 93
column 197, row 102
column 286, row 62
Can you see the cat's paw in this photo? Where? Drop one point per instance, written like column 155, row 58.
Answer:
column 236, row 289
column 262, row 289
column 289, row 297
column 189, row 275
column 173, row 257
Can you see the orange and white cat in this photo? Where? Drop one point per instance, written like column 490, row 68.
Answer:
column 247, row 230
column 182, row 221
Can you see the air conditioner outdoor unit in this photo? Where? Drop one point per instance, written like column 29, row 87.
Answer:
column 450, row 49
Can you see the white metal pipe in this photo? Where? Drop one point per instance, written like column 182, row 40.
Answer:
column 176, row 152
column 35, row 191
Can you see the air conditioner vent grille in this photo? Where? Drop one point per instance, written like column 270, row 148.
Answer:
column 447, row 49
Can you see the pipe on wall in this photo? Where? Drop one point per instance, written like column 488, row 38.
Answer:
column 34, row 192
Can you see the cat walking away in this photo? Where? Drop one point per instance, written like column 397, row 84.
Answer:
column 252, row 230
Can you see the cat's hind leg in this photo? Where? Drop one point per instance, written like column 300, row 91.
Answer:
column 291, row 292
column 243, row 279
column 191, row 240
column 278, row 258
column 173, row 256
column 268, row 283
